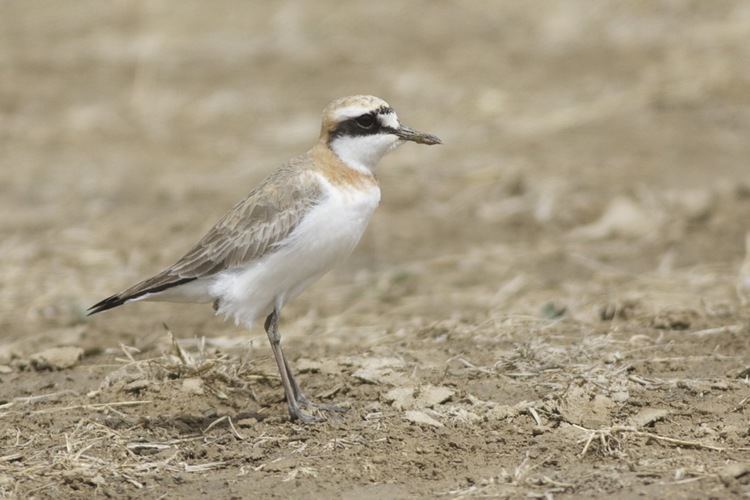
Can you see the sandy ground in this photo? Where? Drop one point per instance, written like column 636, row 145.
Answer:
column 549, row 305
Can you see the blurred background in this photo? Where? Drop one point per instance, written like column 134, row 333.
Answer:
column 579, row 137
column 571, row 258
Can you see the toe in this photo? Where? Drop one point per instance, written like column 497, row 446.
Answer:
column 305, row 418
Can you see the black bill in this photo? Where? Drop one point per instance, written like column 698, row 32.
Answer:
column 409, row 134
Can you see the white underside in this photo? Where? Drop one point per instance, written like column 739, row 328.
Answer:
column 325, row 236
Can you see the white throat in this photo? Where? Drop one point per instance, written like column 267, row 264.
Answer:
column 363, row 152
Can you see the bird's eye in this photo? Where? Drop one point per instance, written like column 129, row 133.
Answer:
column 365, row 121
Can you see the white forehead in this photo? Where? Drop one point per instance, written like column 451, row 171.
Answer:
column 351, row 111
column 354, row 110
column 389, row 120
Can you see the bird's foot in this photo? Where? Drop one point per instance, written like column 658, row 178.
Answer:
column 318, row 411
column 297, row 414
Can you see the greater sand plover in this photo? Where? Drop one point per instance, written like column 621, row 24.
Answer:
column 289, row 231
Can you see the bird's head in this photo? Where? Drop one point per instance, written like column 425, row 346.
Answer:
column 361, row 129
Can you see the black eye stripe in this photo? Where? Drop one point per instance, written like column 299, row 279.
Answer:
column 351, row 128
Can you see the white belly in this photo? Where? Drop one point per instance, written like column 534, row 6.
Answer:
column 325, row 236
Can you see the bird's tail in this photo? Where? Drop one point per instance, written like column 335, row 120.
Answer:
column 156, row 284
column 108, row 303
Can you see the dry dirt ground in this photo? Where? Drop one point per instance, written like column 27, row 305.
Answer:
column 549, row 305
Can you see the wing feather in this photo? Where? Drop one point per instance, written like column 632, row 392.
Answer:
column 258, row 223
column 254, row 227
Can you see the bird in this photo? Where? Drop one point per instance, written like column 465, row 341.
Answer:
column 287, row 232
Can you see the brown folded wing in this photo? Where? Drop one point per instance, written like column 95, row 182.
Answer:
column 254, row 227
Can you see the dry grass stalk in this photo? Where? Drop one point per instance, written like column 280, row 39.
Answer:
column 609, row 435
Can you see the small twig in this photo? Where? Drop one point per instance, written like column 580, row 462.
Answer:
column 532, row 411
column 237, row 434
column 468, row 364
column 681, row 442
column 604, row 433
column 741, row 404
column 644, row 381
column 132, row 481
column 215, row 422
column 126, row 350
column 203, row 467
column 35, row 399
column 186, row 359
column 231, row 426
column 98, row 406
column 38, row 488
column 592, row 435
column 685, row 359
column 717, row 331
column 559, row 484
column 688, row 480
column 155, row 465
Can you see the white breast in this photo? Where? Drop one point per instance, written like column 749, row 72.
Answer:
column 326, row 235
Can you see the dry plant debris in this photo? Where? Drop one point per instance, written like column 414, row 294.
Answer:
column 563, row 287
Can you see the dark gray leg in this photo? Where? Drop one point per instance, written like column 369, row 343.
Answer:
column 291, row 389
column 298, row 395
